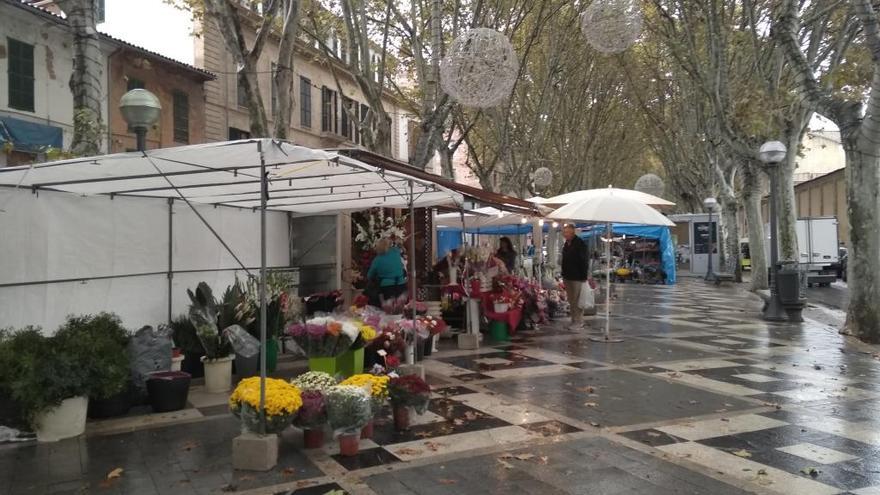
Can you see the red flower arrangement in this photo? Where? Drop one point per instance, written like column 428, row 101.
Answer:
column 409, row 391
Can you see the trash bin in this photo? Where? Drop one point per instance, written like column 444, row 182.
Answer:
column 788, row 286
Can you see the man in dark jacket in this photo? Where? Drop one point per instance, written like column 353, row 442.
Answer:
column 575, row 267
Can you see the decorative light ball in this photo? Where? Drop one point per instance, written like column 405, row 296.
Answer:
column 612, row 26
column 542, row 177
column 480, row 68
column 651, row 184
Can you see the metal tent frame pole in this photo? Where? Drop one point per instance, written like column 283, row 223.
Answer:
column 412, row 272
column 606, row 336
column 264, row 196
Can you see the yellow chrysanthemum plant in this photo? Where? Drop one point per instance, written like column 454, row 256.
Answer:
column 283, row 400
column 377, row 386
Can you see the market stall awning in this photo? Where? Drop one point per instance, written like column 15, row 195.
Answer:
column 482, row 218
column 27, row 136
column 487, row 198
column 300, row 180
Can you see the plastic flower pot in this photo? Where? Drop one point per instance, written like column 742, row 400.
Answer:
column 352, row 362
column 313, row 438
column 176, row 362
column 501, row 307
column 349, row 445
column 111, row 407
column 67, row 420
column 168, row 390
column 329, row 365
column 367, row 431
column 271, row 354
column 401, row 418
column 246, row 367
column 192, row 364
column 498, row 331
column 218, row 374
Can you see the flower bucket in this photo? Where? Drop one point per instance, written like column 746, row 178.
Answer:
column 168, row 390
column 111, row 407
column 367, row 431
column 329, row 365
column 271, row 354
column 498, row 331
column 176, row 362
column 501, row 307
column 428, row 346
column 313, row 438
column 352, row 362
column 349, row 445
column 246, row 367
column 401, row 418
column 67, row 420
column 192, row 364
column 218, row 375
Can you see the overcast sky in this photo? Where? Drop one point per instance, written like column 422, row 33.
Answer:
column 151, row 24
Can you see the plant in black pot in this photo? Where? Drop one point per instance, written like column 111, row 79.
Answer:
column 185, row 338
column 102, row 341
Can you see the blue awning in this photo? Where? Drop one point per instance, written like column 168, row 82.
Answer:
column 29, row 137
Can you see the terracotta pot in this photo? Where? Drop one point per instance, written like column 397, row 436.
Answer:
column 367, row 431
column 313, row 439
column 401, row 418
column 66, row 420
column 349, row 445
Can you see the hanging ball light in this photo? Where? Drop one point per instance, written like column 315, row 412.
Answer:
column 650, row 184
column 542, row 177
column 480, row 68
column 612, row 26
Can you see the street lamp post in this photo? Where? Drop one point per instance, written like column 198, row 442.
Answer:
column 710, row 204
column 771, row 154
column 141, row 110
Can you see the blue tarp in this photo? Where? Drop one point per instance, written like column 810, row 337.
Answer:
column 447, row 240
column 667, row 250
column 29, row 136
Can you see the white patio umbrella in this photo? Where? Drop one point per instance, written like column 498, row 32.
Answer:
column 574, row 196
column 610, row 208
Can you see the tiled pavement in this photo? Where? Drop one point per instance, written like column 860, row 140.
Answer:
column 701, row 397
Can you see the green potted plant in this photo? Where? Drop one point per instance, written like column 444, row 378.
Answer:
column 185, row 338
column 102, row 341
column 203, row 313
column 52, row 378
column 279, row 308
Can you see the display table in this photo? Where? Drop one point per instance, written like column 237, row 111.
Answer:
column 511, row 317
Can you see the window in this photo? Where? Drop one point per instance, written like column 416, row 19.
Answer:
column 236, row 134
column 305, row 102
column 134, row 83
column 329, row 110
column 181, row 117
column 100, row 11
column 364, row 111
column 21, row 75
column 346, row 125
column 357, row 130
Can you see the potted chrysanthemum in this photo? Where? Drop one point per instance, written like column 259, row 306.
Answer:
column 283, row 400
column 349, row 409
column 405, row 392
column 378, row 388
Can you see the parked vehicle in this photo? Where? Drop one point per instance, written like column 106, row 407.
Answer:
column 818, row 246
column 745, row 256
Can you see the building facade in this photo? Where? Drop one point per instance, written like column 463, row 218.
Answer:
column 318, row 119
column 179, row 87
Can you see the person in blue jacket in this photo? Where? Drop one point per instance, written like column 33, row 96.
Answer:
column 386, row 272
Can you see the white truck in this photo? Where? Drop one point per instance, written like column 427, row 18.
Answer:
column 818, row 247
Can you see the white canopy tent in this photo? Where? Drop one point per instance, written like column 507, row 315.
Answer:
column 478, row 218
column 260, row 175
column 574, row 196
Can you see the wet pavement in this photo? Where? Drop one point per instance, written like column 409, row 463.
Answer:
column 701, row 397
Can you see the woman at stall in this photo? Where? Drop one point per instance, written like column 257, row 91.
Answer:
column 506, row 253
column 386, row 272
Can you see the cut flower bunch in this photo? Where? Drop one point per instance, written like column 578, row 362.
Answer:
column 409, row 391
column 314, row 380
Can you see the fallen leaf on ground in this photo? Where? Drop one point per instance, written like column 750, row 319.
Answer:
column 720, row 410
column 190, row 445
column 408, row 451
column 506, row 455
column 591, row 404
column 289, row 471
column 674, row 374
column 434, row 446
column 594, row 424
column 693, row 402
column 447, row 481
column 471, row 415
column 543, row 460
column 246, row 477
column 742, row 453
column 505, row 464
column 525, row 457
column 114, row 474
column 725, row 420
column 458, row 422
column 810, row 471
column 762, row 472
column 653, row 434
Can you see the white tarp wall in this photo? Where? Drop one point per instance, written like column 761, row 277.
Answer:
column 61, row 236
